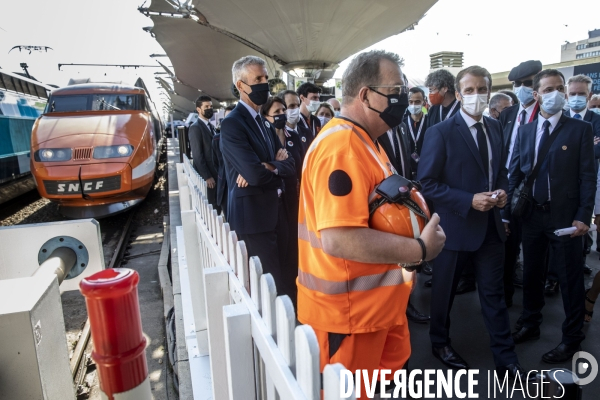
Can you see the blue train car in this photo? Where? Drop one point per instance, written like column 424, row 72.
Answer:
column 22, row 101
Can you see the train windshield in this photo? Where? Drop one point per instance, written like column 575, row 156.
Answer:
column 95, row 102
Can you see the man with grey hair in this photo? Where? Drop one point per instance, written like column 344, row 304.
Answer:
column 349, row 273
column 578, row 95
column 337, row 107
column 255, row 163
column 498, row 102
column 594, row 104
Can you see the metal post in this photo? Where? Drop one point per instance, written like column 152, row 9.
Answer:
column 183, row 142
column 60, row 263
column 112, row 302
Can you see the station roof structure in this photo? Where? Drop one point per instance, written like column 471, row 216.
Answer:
column 204, row 37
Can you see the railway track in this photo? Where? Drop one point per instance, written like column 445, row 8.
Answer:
column 82, row 351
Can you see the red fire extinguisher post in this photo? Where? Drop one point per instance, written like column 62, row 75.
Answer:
column 118, row 343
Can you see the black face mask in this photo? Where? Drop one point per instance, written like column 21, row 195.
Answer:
column 259, row 93
column 208, row 113
column 397, row 105
column 279, row 121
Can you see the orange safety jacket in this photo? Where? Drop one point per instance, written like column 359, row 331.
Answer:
column 341, row 169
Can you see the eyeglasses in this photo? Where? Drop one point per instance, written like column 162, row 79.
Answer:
column 395, row 89
column 528, row 83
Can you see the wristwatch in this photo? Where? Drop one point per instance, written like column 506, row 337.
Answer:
column 414, row 266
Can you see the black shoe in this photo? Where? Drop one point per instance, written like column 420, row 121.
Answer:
column 519, row 323
column 512, row 370
column 426, row 268
column 465, row 287
column 427, row 283
column 526, row 334
column 551, row 287
column 449, row 357
column 587, row 269
column 562, row 352
column 415, row 316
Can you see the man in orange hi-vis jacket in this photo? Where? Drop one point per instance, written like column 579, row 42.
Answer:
column 351, row 289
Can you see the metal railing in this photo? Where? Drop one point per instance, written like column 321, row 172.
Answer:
column 256, row 350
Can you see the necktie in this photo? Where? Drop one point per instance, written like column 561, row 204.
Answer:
column 577, row 116
column 483, row 149
column 540, row 194
column 211, row 128
column 265, row 136
column 523, row 118
column 397, row 152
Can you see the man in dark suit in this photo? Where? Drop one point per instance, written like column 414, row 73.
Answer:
column 463, row 173
column 217, row 157
column 200, row 137
column 416, row 124
column 521, row 113
column 444, row 103
column 562, row 196
column 310, row 100
column 255, row 163
column 396, row 145
column 578, row 95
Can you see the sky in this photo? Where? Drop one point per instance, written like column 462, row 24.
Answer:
column 494, row 34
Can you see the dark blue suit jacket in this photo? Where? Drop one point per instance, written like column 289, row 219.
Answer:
column 451, row 172
column 571, row 170
column 593, row 119
column 252, row 209
column 508, row 118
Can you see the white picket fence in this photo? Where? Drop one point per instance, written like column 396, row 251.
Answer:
column 256, row 350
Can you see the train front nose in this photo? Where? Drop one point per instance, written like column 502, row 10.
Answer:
column 75, row 185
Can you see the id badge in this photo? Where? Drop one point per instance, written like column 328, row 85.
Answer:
column 415, row 156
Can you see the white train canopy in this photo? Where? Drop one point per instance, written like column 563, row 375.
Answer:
column 204, row 37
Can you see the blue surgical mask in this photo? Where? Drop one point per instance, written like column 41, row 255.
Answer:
column 415, row 109
column 524, row 94
column 337, row 114
column 553, row 102
column 577, row 103
column 595, row 110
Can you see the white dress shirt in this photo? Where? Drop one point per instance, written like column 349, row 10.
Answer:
column 471, row 124
column 582, row 113
column 206, row 122
column 538, row 136
column 391, row 134
column 513, row 135
column 253, row 113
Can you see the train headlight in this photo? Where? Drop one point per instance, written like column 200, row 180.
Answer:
column 116, row 151
column 52, row 155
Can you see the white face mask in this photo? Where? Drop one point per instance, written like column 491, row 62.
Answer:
column 313, row 105
column 595, row 110
column 553, row 102
column 415, row 109
column 293, row 114
column 474, row 104
column 324, row 120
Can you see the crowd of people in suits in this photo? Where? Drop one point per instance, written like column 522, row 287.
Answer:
column 471, row 167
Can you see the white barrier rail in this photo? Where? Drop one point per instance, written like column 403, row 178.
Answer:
column 256, row 350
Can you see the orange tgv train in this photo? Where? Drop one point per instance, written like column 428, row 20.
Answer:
column 94, row 150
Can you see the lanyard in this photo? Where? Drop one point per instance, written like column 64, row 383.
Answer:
column 449, row 112
column 416, row 139
column 312, row 129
